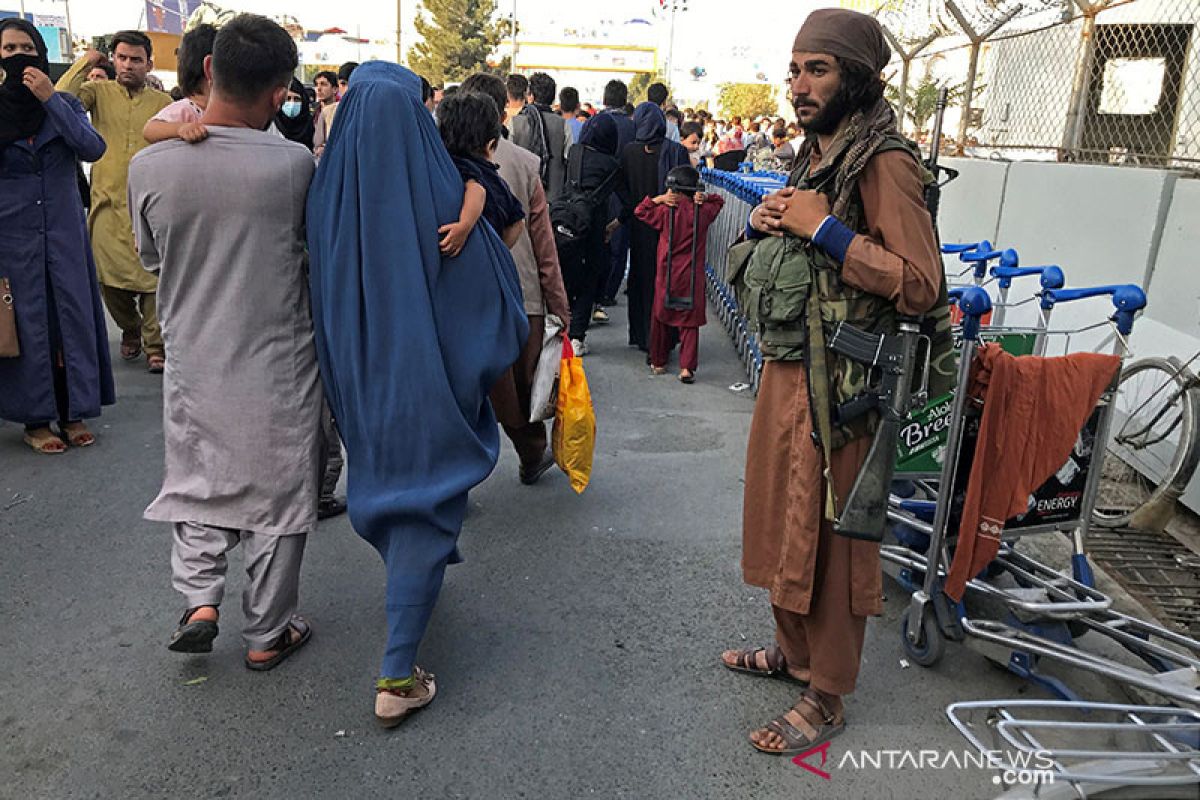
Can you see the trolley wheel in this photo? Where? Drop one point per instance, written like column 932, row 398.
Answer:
column 931, row 645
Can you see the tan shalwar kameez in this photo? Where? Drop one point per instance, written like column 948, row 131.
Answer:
column 127, row 289
column 824, row 586
column 542, row 288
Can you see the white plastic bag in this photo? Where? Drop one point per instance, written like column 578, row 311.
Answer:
column 543, row 399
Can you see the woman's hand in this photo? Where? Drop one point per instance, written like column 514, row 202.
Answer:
column 38, row 83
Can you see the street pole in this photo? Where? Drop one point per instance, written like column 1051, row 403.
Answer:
column 70, row 33
column 22, row 9
column 399, row 30
column 671, row 44
column 512, row 67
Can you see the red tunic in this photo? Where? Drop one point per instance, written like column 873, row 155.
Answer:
column 680, row 257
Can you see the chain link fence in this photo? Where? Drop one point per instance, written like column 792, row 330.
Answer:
column 1096, row 81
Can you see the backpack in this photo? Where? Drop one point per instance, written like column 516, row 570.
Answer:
column 539, row 145
column 571, row 211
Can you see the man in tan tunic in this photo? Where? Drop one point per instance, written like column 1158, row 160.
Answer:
column 120, row 109
column 536, row 258
column 824, row 586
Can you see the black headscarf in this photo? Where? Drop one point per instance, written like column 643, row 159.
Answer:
column 21, row 114
column 600, row 133
column 300, row 127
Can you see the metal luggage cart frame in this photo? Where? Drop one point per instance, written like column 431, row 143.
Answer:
column 1050, row 608
column 1166, row 738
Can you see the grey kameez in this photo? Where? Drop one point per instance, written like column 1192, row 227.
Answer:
column 222, row 222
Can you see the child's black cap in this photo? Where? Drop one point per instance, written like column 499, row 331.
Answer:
column 685, row 180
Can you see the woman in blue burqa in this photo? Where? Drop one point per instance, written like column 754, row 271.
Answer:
column 409, row 342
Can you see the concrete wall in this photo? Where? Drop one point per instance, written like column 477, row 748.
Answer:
column 1102, row 225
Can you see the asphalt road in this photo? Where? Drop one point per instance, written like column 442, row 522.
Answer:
column 576, row 648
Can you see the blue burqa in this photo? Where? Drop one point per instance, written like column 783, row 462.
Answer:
column 409, row 342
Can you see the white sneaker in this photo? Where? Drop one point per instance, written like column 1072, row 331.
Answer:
column 580, row 347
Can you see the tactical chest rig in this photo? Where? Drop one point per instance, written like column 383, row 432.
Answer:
column 860, row 354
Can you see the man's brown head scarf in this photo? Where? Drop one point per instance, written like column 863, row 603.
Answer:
column 845, row 34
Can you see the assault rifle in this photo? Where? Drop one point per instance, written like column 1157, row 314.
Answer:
column 890, row 360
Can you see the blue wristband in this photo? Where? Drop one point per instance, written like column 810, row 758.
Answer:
column 833, row 237
column 751, row 233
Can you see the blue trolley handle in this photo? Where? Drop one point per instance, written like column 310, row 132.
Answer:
column 974, row 303
column 965, row 247
column 981, row 257
column 1052, row 276
column 1127, row 298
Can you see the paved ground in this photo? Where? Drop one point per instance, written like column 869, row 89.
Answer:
column 575, row 649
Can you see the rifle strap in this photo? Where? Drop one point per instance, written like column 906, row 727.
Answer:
column 820, row 398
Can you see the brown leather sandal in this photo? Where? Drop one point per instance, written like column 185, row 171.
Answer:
column 284, row 646
column 393, row 706
column 763, row 662
column 798, row 732
column 131, row 345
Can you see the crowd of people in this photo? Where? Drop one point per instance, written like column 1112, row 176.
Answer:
column 377, row 265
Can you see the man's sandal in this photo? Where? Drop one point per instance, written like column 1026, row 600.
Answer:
column 193, row 637
column 799, row 734
column 393, row 706
column 49, row 445
column 156, row 364
column 284, row 646
column 764, row 662
column 131, row 346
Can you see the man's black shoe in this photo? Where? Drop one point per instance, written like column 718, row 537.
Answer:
column 331, row 507
column 530, row 475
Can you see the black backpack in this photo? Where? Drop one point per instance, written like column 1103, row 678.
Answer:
column 571, row 211
column 540, row 143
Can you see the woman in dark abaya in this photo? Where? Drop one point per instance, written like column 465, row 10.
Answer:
column 294, row 119
column 646, row 162
column 586, row 261
column 63, row 373
column 410, row 342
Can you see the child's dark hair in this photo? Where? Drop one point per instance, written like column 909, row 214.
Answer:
column 468, row 121
column 193, row 47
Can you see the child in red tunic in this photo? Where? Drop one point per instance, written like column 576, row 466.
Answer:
column 682, row 217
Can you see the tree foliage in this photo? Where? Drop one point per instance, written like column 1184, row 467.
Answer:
column 641, row 82
column 457, row 37
column 747, row 100
column 921, row 102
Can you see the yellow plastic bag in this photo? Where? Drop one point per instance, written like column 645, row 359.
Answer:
column 574, row 437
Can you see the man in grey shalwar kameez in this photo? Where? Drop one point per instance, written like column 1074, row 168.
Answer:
column 222, row 223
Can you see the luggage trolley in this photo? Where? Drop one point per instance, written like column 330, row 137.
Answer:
column 741, row 192
column 1047, row 610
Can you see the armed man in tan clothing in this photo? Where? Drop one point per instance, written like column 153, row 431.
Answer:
column 855, row 200
column 120, row 109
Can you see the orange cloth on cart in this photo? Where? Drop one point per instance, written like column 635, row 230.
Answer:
column 1033, row 410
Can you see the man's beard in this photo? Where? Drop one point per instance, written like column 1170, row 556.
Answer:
column 130, row 80
column 828, row 118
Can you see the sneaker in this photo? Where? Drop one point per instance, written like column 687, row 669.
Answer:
column 600, row 316
column 580, row 347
